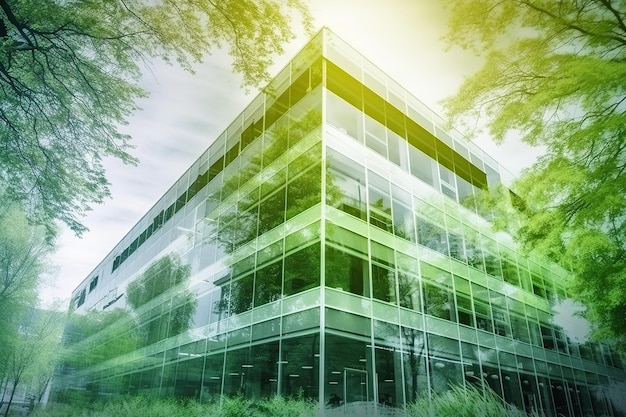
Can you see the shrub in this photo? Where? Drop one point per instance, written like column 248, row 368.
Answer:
column 141, row 406
column 465, row 402
column 286, row 407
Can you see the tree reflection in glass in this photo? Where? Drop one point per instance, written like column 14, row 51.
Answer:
column 158, row 316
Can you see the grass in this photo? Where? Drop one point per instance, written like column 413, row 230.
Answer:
column 457, row 401
column 165, row 407
column 465, row 402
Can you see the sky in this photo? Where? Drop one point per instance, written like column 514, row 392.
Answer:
column 185, row 112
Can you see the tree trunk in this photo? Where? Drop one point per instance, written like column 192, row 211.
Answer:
column 43, row 389
column 3, row 388
column 6, row 412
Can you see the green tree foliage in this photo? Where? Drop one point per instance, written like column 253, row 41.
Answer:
column 31, row 353
column 69, row 75
column 554, row 72
column 23, row 251
column 23, row 259
column 152, row 289
column 97, row 336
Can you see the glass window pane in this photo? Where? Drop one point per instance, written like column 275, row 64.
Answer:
column 268, row 284
column 302, row 270
column 398, row 152
column 409, row 290
column 272, row 211
column 241, row 294
column 380, row 208
column 345, row 184
column 415, row 362
column 382, row 254
column 304, row 192
column 439, row 302
column 383, row 284
column 403, row 221
column 422, row 165
column 346, row 239
column 345, row 117
column 431, row 236
column 346, row 272
column 375, row 136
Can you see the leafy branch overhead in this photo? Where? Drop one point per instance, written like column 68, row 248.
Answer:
column 554, row 72
column 69, row 73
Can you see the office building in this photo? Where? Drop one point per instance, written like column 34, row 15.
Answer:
column 331, row 241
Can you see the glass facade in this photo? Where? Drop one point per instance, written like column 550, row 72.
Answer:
column 328, row 245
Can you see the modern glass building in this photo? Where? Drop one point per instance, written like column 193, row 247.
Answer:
column 330, row 242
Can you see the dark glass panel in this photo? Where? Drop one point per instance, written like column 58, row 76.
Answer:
column 439, row 302
column 302, row 270
column 346, row 272
column 272, row 211
column 304, row 191
column 268, row 284
column 383, row 284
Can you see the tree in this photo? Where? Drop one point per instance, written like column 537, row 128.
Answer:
column 554, row 72
column 32, row 352
column 23, row 250
column 69, row 75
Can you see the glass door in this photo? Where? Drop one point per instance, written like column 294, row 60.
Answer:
column 355, row 389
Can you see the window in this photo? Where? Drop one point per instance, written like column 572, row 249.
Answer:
column 439, row 302
column 397, row 150
column 518, row 326
column 347, row 177
column 375, row 136
column 409, row 290
column 421, row 165
column 547, row 336
column 380, row 210
column 80, row 298
column 383, row 284
column 345, row 117
column 431, row 236
column 93, row 284
column 509, row 272
column 474, row 255
column 465, row 310
column 403, row 221
column 302, row 270
column 346, row 272
column 483, row 316
column 268, row 283
column 457, row 249
column 500, row 321
column 538, row 287
column 304, row 191
column 492, row 264
column 272, row 211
